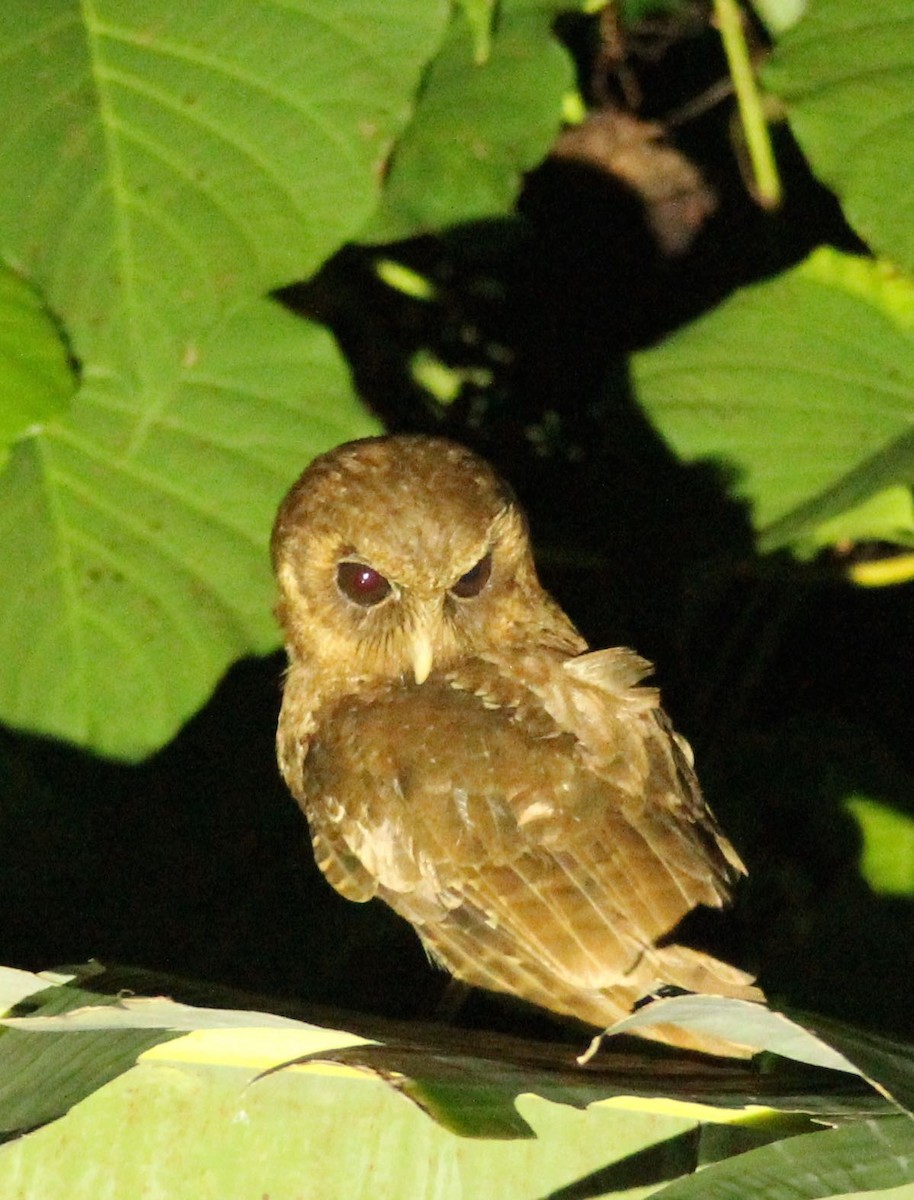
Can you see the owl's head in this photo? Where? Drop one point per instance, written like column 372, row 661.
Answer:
column 399, row 555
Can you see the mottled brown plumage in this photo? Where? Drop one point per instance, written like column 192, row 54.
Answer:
column 524, row 803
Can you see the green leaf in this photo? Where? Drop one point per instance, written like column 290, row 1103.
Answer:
column 471, row 1081
column 41, row 1077
column 16, row 985
column 886, row 1065
column 780, row 15
column 742, row 1021
column 887, row 860
column 855, row 1158
column 885, row 516
column 243, row 1082
column 846, row 72
column 480, row 15
column 161, row 158
column 36, row 377
column 463, row 1091
column 162, row 165
column 478, row 125
column 135, row 564
column 804, row 386
column 205, row 1133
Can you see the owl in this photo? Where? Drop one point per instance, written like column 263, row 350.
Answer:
column 460, row 754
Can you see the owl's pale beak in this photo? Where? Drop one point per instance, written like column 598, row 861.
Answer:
column 421, row 653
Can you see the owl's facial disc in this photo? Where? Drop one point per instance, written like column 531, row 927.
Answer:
column 365, row 586
column 398, row 557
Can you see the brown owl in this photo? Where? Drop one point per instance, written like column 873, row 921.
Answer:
column 525, row 804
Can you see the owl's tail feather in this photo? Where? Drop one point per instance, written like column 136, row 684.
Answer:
column 695, row 971
column 535, row 982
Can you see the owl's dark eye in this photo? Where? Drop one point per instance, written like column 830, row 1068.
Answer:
column 472, row 583
column 362, row 584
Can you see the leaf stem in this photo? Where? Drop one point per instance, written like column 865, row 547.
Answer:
column 758, row 141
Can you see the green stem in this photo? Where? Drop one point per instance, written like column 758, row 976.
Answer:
column 755, row 127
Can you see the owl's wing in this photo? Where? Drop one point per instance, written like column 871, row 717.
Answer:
column 603, row 690
column 529, row 860
column 294, row 734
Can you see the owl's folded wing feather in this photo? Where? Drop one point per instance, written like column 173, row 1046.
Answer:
column 527, row 862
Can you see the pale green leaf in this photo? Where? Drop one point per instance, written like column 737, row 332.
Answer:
column 134, row 533
column 845, row 1161
column 886, row 1065
column 741, row 1021
column 200, row 1133
column 241, row 1083
column 162, row 158
column 41, row 1076
column 846, row 72
column 804, row 387
column 16, row 985
column 478, row 125
column 159, row 1012
column 887, row 858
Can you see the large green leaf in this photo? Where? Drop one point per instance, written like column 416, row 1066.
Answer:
column 885, row 1064
column 161, row 166
column 483, row 118
column 178, row 1130
column 326, row 1096
column 412, row 1111
column 468, row 1084
column 160, row 158
column 835, row 1162
column 134, row 564
column 846, row 71
column 215, row 1099
column 805, row 386
column 40, row 1078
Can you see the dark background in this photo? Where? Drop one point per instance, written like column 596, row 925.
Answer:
column 794, row 687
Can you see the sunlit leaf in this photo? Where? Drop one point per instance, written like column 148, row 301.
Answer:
column 201, row 1133
column 741, row 1021
column 161, row 166
column 846, row 72
column 43, row 1076
column 885, row 1064
column 461, row 1108
column 135, row 564
column 478, row 125
column 16, row 985
column 887, row 861
column 803, row 386
column 161, row 158
column 780, row 15
column 885, row 516
column 857, row 1158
